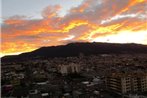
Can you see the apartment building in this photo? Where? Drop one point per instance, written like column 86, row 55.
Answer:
column 125, row 83
column 70, row 68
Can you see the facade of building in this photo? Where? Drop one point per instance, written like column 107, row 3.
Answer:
column 70, row 68
column 125, row 83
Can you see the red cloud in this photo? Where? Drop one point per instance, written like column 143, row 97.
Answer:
column 84, row 23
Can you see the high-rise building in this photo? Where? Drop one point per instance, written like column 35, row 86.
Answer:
column 70, row 68
column 125, row 83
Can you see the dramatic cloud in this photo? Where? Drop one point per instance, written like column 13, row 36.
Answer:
column 51, row 11
column 93, row 20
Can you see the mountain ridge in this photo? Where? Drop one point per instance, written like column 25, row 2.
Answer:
column 74, row 49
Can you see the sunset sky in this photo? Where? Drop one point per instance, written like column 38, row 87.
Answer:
column 30, row 24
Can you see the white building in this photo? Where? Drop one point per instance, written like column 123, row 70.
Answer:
column 70, row 68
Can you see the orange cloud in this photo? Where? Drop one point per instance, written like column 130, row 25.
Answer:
column 93, row 20
column 82, row 7
column 51, row 11
column 13, row 22
column 131, row 3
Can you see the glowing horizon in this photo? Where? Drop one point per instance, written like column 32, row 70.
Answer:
column 122, row 21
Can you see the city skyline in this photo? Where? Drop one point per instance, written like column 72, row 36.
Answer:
column 28, row 25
